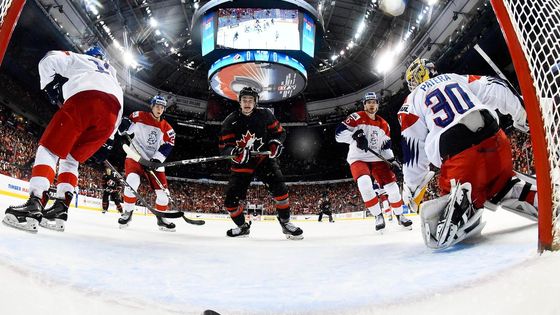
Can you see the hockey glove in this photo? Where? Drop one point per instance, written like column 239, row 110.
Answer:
column 53, row 90
column 361, row 140
column 240, row 155
column 394, row 163
column 153, row 165
column 275, row 147
column 101, row 155
column 124, row 125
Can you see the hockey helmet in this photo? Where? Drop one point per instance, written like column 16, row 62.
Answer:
column 158, row 100
column 95, row 51
column 249, row 91
column 420, row 71
column 370, row 96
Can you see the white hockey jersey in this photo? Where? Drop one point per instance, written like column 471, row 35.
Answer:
column 152, row 139
column 377, row 133
column 440, row 103
column 84, row 73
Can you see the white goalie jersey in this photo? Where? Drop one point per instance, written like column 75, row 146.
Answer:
column 441, row 103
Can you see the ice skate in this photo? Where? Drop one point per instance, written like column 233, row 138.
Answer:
column 379, row 223
column 389, row 214
column 125, row 218
column 404, row 222
column 56, row 216
column 103, row 211
column 25, row 217
column 240, row 231
column 291, row 231
column 165, row 225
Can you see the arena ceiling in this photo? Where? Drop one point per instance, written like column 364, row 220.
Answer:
column 166, row 57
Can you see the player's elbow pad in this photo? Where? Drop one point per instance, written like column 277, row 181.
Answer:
column 165, row 149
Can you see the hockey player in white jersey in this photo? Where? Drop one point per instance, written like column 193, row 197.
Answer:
column 91, row 105
column 365, row 131
column 450, row 121
column 153, row 138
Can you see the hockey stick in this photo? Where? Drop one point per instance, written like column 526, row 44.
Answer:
column 134, row 152
column 495, row 68
column 397, row 165
column 136, row 157
column 166, row 214
column 190, row 221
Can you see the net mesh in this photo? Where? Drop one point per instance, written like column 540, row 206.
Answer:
column 537, row 26
column 4, row 6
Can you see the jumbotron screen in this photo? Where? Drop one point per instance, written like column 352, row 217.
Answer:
column 276, row 76
column 253, row 28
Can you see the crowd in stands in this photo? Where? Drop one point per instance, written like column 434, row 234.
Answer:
column 18, row 145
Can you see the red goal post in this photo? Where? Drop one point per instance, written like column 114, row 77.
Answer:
column 531, row 31
column 9, row 14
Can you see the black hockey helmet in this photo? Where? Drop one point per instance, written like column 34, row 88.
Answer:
column 249, row 91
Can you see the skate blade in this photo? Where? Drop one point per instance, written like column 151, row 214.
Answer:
column 294, row 237
column 380, row 231
column 408, row 228
column 161, row 228
column 123, row 226
column 30, row 225
column 58, row 225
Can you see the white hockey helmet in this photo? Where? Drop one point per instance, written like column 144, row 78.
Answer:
column 370, row 96
column 158, row 100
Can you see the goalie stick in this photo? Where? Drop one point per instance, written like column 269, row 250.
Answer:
column 496, row 69
column 165, row 214
column 417, row 195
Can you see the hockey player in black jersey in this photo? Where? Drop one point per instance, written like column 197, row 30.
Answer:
column 325, row 208
column 254, row 129
column 111, row 189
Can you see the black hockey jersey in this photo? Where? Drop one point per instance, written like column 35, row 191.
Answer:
column 254, row 131
column 110, row 183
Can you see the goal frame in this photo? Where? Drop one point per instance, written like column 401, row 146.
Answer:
column 536, row 124
column 9, row 24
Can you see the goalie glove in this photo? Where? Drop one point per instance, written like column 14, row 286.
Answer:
column 276, row 148
column 240, row 155
column 361, row 140
column 53, row 90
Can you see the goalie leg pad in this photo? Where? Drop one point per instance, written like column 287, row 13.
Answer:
column 430, row 211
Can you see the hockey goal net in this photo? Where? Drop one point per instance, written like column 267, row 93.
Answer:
column 9, row 14
column 532, row 32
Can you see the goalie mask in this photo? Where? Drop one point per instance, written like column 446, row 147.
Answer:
column 420, row 71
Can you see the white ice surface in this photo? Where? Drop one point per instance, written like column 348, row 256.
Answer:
column 339, row 268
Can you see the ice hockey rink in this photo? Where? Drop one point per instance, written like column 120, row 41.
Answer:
column 339, row 268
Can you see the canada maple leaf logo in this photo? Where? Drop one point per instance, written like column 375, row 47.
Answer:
column 250, row 140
